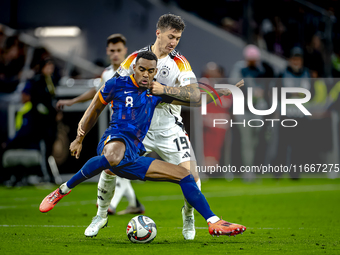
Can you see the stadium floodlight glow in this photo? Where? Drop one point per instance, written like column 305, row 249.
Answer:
column 72, row 31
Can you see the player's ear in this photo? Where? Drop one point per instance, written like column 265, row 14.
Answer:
column 134, row 67
column 158, row 32
column 156, row 70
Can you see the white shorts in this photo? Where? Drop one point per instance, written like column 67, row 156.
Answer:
column 172, row 146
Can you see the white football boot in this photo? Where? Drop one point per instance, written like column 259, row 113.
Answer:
column 96, row 224
column 188, row 226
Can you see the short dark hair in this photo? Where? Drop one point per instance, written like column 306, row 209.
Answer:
column 116, row 38
column 170, row 21
column 146, row 55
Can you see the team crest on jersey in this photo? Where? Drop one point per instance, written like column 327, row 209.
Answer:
column 164, row 72
column 148, row 93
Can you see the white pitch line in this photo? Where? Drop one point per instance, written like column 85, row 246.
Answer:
column 229, row 193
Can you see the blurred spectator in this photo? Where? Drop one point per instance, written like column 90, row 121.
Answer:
column 43, row 94
column 255, row 73
column 275, row 35
column 290, row 149
column 214, row 137
column 313, row 57
column 259, row 40
column 28, row 136
column 231, row 25
column 26, row 125
column 2, row 39
column 42, row 97
column 12, row 61
column 336, row 60
column 253, row 69
column 39, row 55
column 296, row 74
column 251, row 66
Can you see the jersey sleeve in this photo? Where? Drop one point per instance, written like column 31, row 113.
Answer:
column 107, row 93
column 126, row 67
column 166, row 99
column 186, row 75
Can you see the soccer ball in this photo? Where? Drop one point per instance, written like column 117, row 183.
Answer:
column 141, row 229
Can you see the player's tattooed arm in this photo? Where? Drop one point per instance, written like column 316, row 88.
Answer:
column 221, row 92
column 188, row 93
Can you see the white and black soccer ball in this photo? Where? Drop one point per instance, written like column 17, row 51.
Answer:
column 141, row 229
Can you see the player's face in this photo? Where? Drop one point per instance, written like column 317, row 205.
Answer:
column 296, row 63
column 145, row 70
column 116, row 52
column 168, row 39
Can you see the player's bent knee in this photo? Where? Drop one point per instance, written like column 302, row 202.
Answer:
column 113, row 159
column 114, row 152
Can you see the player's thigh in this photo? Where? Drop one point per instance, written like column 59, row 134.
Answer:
column 191, row 165
column 164, row 171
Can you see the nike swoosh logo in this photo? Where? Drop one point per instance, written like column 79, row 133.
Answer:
column 126, row 92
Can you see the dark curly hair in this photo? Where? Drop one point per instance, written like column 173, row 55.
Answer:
column 146, row 55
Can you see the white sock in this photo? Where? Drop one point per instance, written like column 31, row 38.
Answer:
column 130, row 193
column 119, row 192
column 199, row 184
column 213, row 219
column 106, row 188
column 188, row 209
column 64, row 189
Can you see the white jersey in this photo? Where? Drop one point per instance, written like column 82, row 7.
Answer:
column 175, row 71
column 106, row 75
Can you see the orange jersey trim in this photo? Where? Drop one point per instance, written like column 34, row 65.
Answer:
column 101, row 98
column 127, row 62
column 182, row 63
column 134, row 81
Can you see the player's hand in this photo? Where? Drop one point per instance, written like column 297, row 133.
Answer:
column 227, row 92
column 62, row 103
column 240, row 84
column 156, row 88
column 75, row 148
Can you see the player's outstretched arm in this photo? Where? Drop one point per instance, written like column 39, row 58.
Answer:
column 88, row 120
column 88, row 95
column 189, row 93
column 221, row 92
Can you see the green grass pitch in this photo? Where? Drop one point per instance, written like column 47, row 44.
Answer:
column 281, row 216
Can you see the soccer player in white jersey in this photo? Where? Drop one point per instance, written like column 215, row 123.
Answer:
column 116, row 50
column 166, row 135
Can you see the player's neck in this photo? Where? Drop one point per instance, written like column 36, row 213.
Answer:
column 115, row 66
column 159, row 54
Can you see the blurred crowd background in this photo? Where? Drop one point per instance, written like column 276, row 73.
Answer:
column 283, row 43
